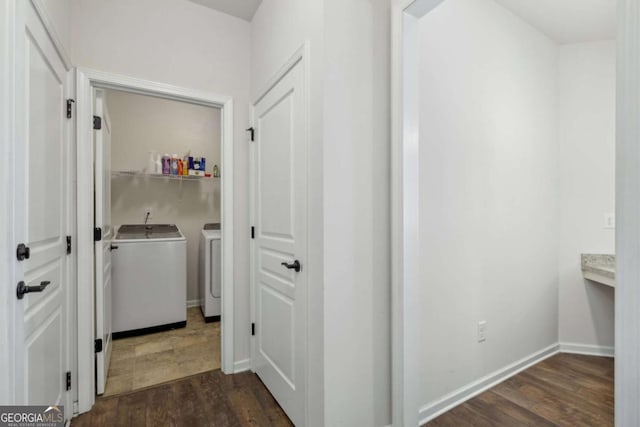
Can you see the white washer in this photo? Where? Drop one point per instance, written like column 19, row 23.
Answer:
column 149, row 279
column 210, row 273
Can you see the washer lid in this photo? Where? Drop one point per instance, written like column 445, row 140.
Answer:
column 148, row 231
column 211, row 234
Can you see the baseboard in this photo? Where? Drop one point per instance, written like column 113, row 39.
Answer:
column 241, row 366
column 193, row 303
column 432, row 410
column 586, row 349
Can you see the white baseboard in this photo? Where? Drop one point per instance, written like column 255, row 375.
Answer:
column 241, row 366
column 193, row 303
column 434, row 409
column 586, row 349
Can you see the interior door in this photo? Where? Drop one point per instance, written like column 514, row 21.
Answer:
column 280, row 246
column 102, row 137
column 41, row 209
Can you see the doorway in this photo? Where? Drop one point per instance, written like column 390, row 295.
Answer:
column 472, row 175
column 160, row 257
column 88, row 82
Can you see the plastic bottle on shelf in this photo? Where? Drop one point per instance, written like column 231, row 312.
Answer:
column 216, row 171
column 166, row 165
column 158, row 164
column 174, row 165
column 151, row 163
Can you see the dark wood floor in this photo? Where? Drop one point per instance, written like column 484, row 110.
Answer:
column 208, row 399
column 564, row 390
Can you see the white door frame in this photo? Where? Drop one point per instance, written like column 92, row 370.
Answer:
column 300, row 56
column 404, row 174
column 86, row 80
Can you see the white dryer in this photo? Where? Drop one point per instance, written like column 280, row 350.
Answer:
column 210, row 272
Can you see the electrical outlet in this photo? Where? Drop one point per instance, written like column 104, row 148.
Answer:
column 148, row 214
column 482, row 331
column 609, row 221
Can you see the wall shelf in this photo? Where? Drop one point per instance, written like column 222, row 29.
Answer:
column 160, row 176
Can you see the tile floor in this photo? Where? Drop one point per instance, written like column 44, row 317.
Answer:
column 147, row 360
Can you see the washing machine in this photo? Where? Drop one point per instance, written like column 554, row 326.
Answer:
column 210, row 272
column 149, row 278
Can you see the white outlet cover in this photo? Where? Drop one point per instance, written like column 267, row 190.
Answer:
column 482, row 331
column 609, row 221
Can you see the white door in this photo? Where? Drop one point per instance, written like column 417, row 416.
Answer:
column 42, row 209
column 280, row 214
column 102, row 137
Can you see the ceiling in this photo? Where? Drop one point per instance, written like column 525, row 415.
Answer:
column 568, row 21
column 243, row 9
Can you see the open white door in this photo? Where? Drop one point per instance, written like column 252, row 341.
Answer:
column 42, row 208
column 104, row 234
column 280, row 248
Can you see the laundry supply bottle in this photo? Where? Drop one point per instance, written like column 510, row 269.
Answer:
column 166, row 165
column 151, row 163
column 158, row 164
column 174, row 165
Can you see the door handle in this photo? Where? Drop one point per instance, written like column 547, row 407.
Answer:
column 24, row 289
column 112, row 247
column 295, row 265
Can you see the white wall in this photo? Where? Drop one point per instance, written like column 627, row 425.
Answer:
column 587, row 96
column 356, row 199
column 488, row 199
column 185, row 44
column 141, row 124
column 59, row 14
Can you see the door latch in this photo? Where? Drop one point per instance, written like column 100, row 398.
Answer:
column 24, row 289
column 295, row 265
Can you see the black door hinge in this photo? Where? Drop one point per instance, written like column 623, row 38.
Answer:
column 97, row 122
column 97, row 234
column 68, row 376
column 98, row 345
column 252, row 130
column 68, row 245
column 69, row 105
column 253, row 329
column 253, row 232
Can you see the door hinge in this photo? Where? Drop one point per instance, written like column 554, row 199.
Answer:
column 69, row 105
column 253, row 329
column 68, row 245
column 68, row 376
column 97, row 122
column 252, row 130
column 97, row 234
column 98, row 345
column 23, row 252
column 253, row 232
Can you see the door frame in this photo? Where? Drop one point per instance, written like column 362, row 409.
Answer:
column 302, row 56
column 86, row 80
column 404, row 168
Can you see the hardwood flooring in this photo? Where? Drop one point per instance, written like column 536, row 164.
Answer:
column 209, row 399
column 146, row 360
column 564, row 390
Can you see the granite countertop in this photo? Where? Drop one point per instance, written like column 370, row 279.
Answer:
column 599, row 268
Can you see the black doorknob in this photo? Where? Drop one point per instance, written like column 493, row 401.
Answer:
column 295, row 265
column 24, row 289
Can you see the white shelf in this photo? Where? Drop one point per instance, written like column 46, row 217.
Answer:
column 160, row 176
